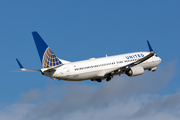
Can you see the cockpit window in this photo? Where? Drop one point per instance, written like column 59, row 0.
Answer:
column 156, row 55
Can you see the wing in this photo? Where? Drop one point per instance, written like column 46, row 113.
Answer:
column 127, row 67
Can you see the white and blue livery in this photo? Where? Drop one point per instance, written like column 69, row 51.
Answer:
column 95, row 69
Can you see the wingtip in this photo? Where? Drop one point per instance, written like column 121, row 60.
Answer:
column 150, row 48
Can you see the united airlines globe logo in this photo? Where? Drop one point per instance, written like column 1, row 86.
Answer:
column 50, row 59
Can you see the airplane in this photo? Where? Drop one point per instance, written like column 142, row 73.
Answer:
column 94, row 69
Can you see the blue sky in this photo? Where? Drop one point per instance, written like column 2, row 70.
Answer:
column 78, row 30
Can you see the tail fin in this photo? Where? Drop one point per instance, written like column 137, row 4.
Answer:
column 47, row 57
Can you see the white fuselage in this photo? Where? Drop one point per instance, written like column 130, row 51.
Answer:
column 95, row 68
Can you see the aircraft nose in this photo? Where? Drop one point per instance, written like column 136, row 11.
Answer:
column 160, row 60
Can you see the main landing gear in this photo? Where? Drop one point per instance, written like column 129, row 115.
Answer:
column 108, row 78
column 100, row 80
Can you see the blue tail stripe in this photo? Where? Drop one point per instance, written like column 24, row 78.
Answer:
column 40, row 44
column 48, row 58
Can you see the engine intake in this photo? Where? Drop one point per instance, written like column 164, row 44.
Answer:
column 134, row 71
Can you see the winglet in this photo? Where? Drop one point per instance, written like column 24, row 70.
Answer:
column 20, row 65
column 150, row 48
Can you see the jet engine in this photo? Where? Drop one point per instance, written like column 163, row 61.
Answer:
column 134, row 71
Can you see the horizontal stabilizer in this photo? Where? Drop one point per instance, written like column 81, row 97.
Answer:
column 23, row 69
column 20, row 65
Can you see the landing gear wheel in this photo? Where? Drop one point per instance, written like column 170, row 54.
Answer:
column 98, row 80
column 108, row 79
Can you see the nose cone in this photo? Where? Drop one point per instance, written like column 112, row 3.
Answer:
column 159, row 60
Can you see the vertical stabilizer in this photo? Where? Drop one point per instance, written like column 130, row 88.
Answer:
column 47, row 57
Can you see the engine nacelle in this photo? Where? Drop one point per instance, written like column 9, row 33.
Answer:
column 134, row 71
